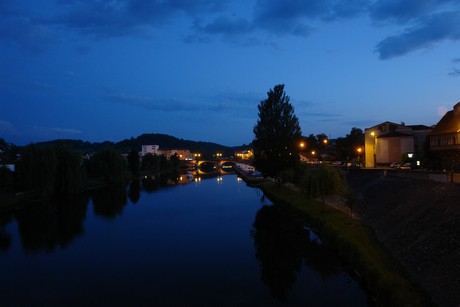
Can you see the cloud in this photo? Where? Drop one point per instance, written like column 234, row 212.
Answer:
column 168, row 105
column 287, row 17
column 455, row 72
column 400, row 11
column 239, row 104
column 103, row 19
column 429, row 31
column 228, row 25
column 30, row 35
column 5, row 126
column 66, row 131
column 36, row 27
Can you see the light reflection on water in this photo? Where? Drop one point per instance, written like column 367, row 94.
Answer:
column 213, row 241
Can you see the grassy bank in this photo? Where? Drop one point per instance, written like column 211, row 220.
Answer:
column 357, row 246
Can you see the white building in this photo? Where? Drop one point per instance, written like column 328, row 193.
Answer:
column 150, row 149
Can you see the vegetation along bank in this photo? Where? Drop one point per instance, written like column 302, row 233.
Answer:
column 378, row 271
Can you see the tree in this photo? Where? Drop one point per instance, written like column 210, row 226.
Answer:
column 346, row 147
column 70, row 175
column 52, row 170
column 108, row 164
column 150, row 162
column 38, row 169
column 277, row 134
column 133, row 161
column 323, row 180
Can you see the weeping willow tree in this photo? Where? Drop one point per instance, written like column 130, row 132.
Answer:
column 52, row 170
column 38, row 169
column 71, row 174
column 108, row 164
column 323, row 180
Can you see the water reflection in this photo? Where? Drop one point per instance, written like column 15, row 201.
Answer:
column 134, row 191
column 44, row 227
column 110, row 201
column 283, row 243
column 5, row 237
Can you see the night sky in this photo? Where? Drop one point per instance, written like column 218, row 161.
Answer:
column 197, row 69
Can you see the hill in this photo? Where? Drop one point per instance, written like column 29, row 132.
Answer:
column 163, row 140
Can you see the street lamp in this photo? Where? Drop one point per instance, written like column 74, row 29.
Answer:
column 359, row 150
column 373, row 147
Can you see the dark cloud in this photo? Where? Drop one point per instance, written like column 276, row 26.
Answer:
column 240, row 104
column 407, row 10
column 168, row 105
column 27, row 33
column 228, row 25
column 455, row 72
column 456, row 60
column 37, row 26
column 429, row 30
column 288, row 17
column 348, row 8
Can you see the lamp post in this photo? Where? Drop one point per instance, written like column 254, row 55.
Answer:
column 359, row 150
column 373, row 147
column 302, row 145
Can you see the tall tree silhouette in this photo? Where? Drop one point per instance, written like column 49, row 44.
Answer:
column 277, row 134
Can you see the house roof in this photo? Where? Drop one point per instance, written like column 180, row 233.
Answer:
column 394, row 134
column 419, row 127
column 384, row 123
column 449, row 123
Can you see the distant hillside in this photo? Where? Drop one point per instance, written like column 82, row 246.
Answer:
column 163, row 140
column 167, row 141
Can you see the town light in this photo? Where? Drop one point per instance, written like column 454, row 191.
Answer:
column 373, row 148
column 302, row 145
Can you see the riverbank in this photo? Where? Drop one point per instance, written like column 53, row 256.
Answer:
column 378, row 271
column 416, row 221
column 419, row 222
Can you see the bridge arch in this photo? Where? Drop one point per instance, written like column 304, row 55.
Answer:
column 224, row 165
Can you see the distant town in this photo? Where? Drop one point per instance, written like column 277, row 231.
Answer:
column 386, row 144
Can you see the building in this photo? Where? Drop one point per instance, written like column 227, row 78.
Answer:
column 244, row 155
column 150, row 149
column 389, row 142
column 182, row 154
column 445, row 138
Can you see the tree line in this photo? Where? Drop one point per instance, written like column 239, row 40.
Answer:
column 57, row 170
column 276, row 149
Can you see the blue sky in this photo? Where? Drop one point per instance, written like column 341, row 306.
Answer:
column 111, row 70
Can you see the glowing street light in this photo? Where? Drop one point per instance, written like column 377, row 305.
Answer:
column 373, row 147
column 359, row 150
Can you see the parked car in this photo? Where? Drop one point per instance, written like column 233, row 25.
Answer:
column 395, row 165
column 406, row 166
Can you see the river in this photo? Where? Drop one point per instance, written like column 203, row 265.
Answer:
column 210, row 242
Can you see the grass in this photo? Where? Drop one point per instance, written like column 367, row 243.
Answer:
column 356, row 244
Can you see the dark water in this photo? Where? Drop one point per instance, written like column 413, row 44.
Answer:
column 215, row 242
